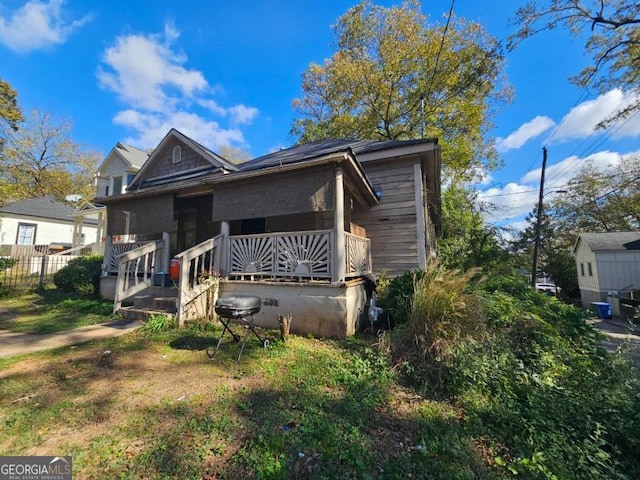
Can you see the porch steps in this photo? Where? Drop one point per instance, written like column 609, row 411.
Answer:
column 159, row 302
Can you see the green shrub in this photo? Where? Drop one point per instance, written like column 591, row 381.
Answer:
column 7, row 262
column 80, row 275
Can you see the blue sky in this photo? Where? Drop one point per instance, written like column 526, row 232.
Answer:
column 227, row 72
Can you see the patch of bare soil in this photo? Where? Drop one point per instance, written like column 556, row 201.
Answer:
column 104, row 389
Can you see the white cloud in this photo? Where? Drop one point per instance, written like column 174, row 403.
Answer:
column 581, row 120
column 560, row 173
column 513, row 200
column 151, row 79
column 238, row 114
column 144, row 71
column 152, row 127
column 524, row 133
column 37, row 25
column 509, row 203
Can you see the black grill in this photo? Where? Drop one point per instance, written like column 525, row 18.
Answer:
column 238, row 306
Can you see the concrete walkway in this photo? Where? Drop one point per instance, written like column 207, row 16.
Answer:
column 13, row 343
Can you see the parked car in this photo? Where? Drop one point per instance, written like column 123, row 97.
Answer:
column 548, row 288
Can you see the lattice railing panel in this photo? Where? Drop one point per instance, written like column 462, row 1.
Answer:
column 358, row 255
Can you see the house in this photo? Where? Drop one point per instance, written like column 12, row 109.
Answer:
column 607, row 262
column 118, row 168
column 301, row 228
column 112, row 177
column 41, row 221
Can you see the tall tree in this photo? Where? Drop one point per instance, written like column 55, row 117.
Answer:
column 40, row 159
column 599, row 201
column 234, row 155
column 612, row 39
column 467, row 241
column 392, row 70
column 9, row 111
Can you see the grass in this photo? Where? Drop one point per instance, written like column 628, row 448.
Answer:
column 154, row 405
column 50, row 310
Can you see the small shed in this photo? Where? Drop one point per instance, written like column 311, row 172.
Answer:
column 607, row 262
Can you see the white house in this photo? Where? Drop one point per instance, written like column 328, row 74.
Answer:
column 43, row 221
column 607, row 262
column 118, row 169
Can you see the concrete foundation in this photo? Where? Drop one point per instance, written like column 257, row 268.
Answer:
column 322, row 310
column 318, row 309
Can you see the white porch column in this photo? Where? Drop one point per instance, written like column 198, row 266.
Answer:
column 74, row 237
column 224, row 253
column 99, row 226
column 421, row 226
column 339, row 252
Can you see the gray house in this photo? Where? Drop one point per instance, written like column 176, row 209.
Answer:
column 607, row 262
column 300, row 228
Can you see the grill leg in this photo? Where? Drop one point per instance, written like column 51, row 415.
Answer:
column 251, row 329
column 224, row 330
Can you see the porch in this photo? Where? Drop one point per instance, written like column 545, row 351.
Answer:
column 317, row 276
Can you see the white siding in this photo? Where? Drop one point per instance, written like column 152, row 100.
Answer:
column 113, row 167
column 584, row 257
column 47, row 231
column 618, row 270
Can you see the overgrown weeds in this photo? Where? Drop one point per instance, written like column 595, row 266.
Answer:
column 527, row 372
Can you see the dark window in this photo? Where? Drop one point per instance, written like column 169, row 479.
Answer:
column 582, row 269
column 248, row 226
column 117, row 185
column 26, row 234
column 106, row 191
column 130, row 177
column 590, row 271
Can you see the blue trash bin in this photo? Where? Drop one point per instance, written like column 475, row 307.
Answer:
column 603, row 309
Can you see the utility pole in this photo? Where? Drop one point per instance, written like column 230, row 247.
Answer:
column 536, row 245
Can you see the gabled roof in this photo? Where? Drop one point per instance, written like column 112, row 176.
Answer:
column 133, row 155
column 217, row 162
column 307, row 151
column 43, row 207
column 610, row 241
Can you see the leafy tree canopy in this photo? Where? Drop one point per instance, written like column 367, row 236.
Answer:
column 40, row 159
column 388, row 64
column 9, row 110
column 613, row 41
column 599, row 201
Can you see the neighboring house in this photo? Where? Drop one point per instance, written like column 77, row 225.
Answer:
column 302, row 228
column 607, row 262
column 42, row 221
column 118, row 169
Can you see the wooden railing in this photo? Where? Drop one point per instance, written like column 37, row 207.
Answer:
column 81, row 250
column 116, row 249
column 135, row 269
column 199, row 267
column 281, row 255
column 358, row 255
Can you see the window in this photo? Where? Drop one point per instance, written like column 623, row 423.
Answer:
column 26, row 234
column 590, row 271
column 117, row 185
column 130, row 177
column 106, row 191
column 177, row 154
column 582, row 269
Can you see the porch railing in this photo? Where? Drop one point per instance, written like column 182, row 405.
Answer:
column 135, row 269
column 198, row 268
column 358, row 255
column 111, row 255
column 88, row 249
column 281, row 255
